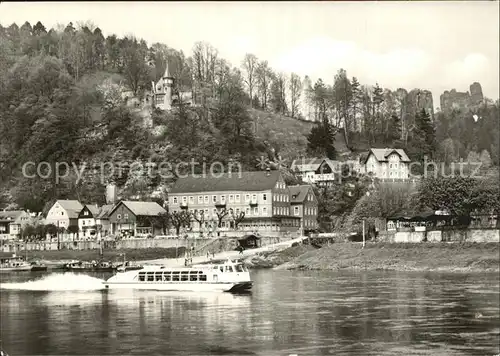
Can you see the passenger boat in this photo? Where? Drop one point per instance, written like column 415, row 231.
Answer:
column 227, row 276
column 129, row 266
column 85, row 266
column 14, row 264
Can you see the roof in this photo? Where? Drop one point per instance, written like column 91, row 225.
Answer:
column 298, row 193
column 141, row 208
column 236, row 181
column 382, row 154
column 104, row 211
column 310, row 164
column 10, row 214
column 167, row 72
column 94, row 209
column 72, row 207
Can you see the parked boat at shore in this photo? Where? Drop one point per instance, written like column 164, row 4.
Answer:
column 227, row 276
column 85, row 266
column 37, row 266
column 14, row 264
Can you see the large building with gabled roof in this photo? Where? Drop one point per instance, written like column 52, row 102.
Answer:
column 387, row 164
column 247, row 202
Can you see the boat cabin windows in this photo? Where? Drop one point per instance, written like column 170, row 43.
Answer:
column 229, row 268
column 172, row 276
column 239, row 268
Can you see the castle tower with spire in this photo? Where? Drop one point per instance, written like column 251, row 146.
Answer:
column 163, row 91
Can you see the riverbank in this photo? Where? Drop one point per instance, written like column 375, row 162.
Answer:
column 140, row 254
column 445, row 257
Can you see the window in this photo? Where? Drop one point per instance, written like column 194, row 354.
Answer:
column 295, row 210
column 167, row 277
column 206, row 199
column 184, row 200
column 150, row 277
column 184, row 276
column 247, row 211
column 264, row 211
column 125, row 216
column 191, row 200
column 237, row 198
column 200, row 199
column 256, row 211
column 203, row 277
column 158, row 276
column 206, row 212
column 214, row 198
column 254, row 197
column 231, row 198
column 83, row 222
column 119, row 216
column 175, row 276
column 214, row 212
column 223, row 198
column 247, row 198
column 264, row 197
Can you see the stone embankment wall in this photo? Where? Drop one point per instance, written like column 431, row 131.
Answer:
column 467, row 235
column 127, row 244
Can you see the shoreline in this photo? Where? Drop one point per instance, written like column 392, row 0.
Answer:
column 431, row 257
column 422, row 257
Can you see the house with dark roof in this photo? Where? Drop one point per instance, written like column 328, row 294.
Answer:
column 304, row 204
column 88, row 227
column 247, row 202
column 135, row 218
column 12, row 222
column 387, row 164
column 319, row 171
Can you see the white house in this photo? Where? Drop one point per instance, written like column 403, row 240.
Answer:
column 64, row 213
column 387, row 164
column 319, row 171
column 11, row 223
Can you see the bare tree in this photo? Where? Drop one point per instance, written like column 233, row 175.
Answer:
column 263, row 76
column 199, row 217
column 237, row 218
column 250, row 63
column 180, row 219
column 295, row 88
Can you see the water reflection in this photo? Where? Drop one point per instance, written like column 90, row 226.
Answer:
column 314, row 313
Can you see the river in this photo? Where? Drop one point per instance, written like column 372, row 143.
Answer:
column 301, row 313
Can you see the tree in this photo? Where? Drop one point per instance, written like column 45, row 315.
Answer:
column 320, row 141
column 249, row 65
column 237, row 218
column 180, row 219
column 278, row 94
column 295, row 89
column 356, row 100
column 458, row 195
column 263, row 76
column 135, row 68
column 221, row 214
column 342, row 98
column 199, row 216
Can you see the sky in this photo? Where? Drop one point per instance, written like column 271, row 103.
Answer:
column 429, row 45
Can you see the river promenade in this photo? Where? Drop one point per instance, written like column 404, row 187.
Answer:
column 178, row 262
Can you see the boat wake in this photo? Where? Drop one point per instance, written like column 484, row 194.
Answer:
column 58, row 282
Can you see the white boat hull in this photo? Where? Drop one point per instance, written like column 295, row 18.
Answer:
column 15, row 269
column 182, row 286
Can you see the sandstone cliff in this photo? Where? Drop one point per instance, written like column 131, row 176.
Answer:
column 451, row 100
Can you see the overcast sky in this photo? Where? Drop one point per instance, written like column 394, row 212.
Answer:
column 429, row 45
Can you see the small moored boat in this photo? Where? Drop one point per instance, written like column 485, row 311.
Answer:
column 227, row 276
column 85, row 266
column 37, row 266
column 14, row 264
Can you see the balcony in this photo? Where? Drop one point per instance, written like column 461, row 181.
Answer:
column 253, row 202
column 220, row 204
column 184, row 205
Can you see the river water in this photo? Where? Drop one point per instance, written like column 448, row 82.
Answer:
column 301, row 313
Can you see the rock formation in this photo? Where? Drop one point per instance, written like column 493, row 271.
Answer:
column 451, row 100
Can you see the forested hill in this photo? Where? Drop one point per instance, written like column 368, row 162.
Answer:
column 61, row 100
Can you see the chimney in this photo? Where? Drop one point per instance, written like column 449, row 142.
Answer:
column 110, row 193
